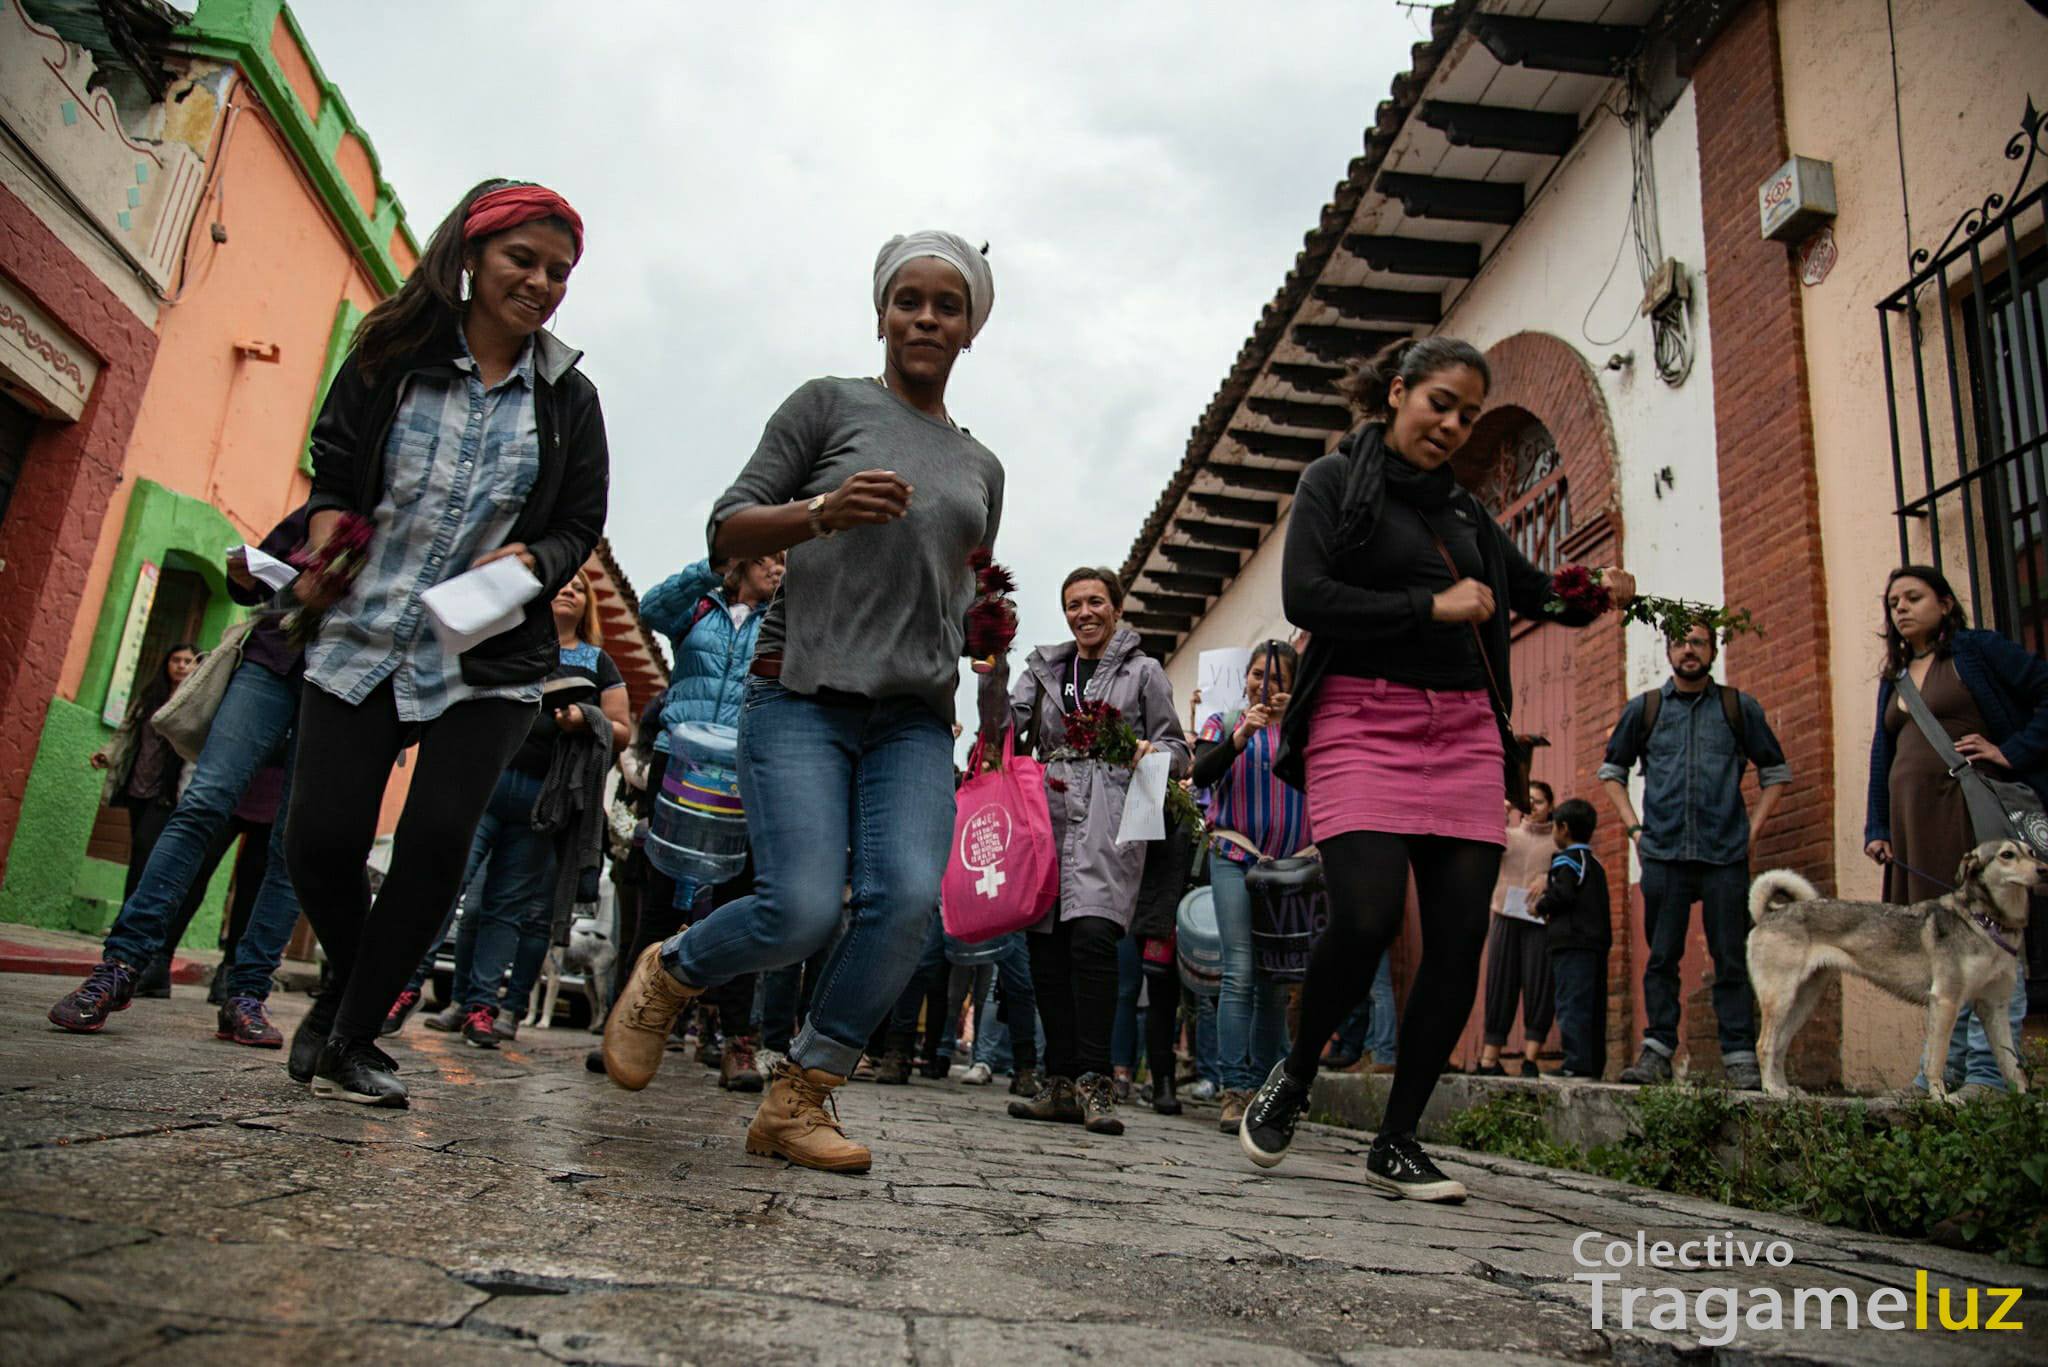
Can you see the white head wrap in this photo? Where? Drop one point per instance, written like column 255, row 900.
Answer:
column 954, row 251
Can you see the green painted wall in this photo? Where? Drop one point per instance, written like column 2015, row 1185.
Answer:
column 50, row 881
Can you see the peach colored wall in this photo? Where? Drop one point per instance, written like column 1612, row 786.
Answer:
column 217, row 424
column 1965, row 73
column 354, row 164
column 291, row 60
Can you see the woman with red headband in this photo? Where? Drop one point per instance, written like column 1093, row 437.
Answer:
column 463, row 433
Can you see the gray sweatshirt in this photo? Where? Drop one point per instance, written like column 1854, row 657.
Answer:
column 878, row 611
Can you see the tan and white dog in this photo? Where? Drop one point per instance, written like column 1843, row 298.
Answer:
column 1960, row 949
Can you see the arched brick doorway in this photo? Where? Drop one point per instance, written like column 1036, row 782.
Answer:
column 1543, row 458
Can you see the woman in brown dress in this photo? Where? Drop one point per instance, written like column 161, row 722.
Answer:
column 1991, row 698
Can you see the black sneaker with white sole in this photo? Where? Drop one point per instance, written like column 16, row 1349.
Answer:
column 1269, row 1120
column 357, row 1070
column 1398, row 1164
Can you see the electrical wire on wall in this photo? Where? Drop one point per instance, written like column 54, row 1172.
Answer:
column 1667, row 292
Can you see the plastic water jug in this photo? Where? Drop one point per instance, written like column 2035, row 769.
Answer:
column 1198, row 943
column 699, row 829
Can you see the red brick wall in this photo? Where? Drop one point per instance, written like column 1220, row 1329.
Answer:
column 1770, row 513
column 1545, row 376
column 53, row 522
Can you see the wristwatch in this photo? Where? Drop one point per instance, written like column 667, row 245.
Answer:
column 814, row 513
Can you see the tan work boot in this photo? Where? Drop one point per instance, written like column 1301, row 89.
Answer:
column 640, row 1021
column 798, row 1121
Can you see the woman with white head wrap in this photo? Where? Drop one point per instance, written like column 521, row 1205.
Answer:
column 846, row 746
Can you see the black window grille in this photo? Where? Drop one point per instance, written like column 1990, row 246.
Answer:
column 1965, row 348
column 1527, row 494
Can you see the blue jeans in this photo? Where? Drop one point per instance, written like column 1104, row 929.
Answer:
column 1124, row 1030
column 994, row 1041
column 1670, row 887
column 518, row 867
column 1206, row 1067
column 1251, row 1009
column 840, row 793
column 1581, row 979
column 1382, row 1039
column 252, row 729
column 1969, row 1049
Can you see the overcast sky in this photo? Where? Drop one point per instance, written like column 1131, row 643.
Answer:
column 1144, row 173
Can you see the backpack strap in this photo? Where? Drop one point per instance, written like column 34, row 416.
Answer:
column 1731, row 708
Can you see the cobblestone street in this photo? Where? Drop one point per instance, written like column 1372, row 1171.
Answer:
column 173, row 1199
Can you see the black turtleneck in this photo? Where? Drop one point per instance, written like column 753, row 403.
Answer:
column 1400, row 555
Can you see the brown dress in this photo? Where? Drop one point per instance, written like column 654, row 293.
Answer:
column 1930, row 823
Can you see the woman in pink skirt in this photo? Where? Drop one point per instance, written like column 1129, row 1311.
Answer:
column 1404, row 583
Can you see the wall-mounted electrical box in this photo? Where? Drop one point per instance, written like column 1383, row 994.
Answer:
column 1796, row 200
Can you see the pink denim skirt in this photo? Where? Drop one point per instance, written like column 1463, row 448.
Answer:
column 1408, row 761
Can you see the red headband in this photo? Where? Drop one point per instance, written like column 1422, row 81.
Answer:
column 512, row 205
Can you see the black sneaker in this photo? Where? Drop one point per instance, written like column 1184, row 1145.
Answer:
column 1398, row 1164
column 357, row 1070
column 1530, row 1068
column 85, row 1008
column 394, row 1019
column 1489, row 1070
column 310, row 1038
column 1268, row 1125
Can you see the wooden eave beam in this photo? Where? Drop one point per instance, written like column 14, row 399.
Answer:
column 1557, row 44
column 1228, row 534
column 1158, row 647
column 1170, row 604
column 1384, row 306
column 1309, row 379
column 1445, row 197
column 1503, row 130
column 1336, row 343
column 1159, row 621
column 1262, row 511
column 1320, row 417
column 1265, row 479
column 1415, row 256
column 1278, row 445
column 1201, row 559
column 1203, row 586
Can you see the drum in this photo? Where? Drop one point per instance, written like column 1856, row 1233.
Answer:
column 1198, row 945
column 1290, row 909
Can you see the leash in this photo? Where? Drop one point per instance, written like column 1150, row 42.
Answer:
column 1943, row 884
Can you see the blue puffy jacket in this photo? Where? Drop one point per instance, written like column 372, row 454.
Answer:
column 711, row 657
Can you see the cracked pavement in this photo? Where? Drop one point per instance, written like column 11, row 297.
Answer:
column 169, row 1198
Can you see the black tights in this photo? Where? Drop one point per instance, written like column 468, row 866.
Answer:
column 344, row 762
column 1162, row 1017
column 1073, row 975
column 1367, row 874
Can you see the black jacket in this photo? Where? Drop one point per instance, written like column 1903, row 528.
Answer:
column 1167, row 866
column 1574, row 902
column 1336, row 510
column 564, row 514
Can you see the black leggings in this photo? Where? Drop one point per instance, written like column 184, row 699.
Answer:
column 1073, row 975
column 1162, row 1017
column 1367, row 874
column 344, row 762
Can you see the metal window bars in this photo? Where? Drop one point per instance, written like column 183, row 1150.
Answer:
column 1964, row 344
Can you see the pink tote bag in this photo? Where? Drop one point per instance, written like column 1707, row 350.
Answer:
column 1004, row 871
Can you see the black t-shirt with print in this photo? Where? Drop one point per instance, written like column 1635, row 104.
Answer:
column 584, row 674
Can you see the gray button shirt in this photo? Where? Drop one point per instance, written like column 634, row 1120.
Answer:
column 878, row 611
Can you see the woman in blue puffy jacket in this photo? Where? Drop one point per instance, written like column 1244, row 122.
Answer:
column 710, row 615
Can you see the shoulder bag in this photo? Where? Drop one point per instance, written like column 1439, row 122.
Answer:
column 1517, row 751
column 187, row 718
column 1998, row 810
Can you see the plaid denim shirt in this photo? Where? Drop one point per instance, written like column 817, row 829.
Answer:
column 459, row 464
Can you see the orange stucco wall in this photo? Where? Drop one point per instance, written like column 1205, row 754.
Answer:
column 291, row 60
column 219, row 423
